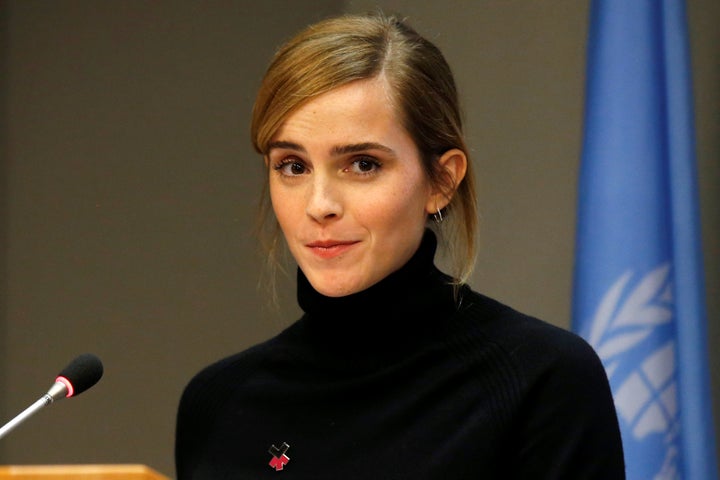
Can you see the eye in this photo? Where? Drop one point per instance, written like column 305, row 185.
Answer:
column 290, row 167
column 365, row 165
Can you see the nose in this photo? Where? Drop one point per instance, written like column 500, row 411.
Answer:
column 324, row 199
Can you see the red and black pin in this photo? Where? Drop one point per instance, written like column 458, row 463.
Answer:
column 280, row 458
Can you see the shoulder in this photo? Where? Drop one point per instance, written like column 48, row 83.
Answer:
column 206, row 397
column 532, row 348
column 562, row 412
column 223, row 376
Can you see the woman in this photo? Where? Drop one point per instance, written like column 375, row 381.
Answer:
column 396, row 370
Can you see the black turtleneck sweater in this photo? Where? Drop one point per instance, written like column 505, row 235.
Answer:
column 405, row 380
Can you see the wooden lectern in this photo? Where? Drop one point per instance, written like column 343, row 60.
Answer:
column 80, row 472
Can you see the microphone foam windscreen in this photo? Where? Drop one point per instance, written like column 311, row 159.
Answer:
column 83, row 372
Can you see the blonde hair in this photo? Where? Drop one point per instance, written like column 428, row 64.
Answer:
column 343, row 49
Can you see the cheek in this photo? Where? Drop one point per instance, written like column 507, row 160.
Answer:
column 284, row 206
column 402, row 205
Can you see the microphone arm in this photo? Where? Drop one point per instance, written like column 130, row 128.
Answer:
column 58, row 390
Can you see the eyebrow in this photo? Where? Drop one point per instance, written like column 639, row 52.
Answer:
column 337, row 150
column 361, row 147
column 285, row 145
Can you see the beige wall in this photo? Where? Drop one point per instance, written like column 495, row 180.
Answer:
column 129, row 188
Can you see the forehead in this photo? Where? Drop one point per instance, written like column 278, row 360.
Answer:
column 359, row 109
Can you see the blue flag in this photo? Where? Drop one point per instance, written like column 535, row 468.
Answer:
column 639, row 285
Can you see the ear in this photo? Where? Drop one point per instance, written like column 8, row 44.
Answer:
column 454, row 163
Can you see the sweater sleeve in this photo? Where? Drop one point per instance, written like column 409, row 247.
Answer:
column 193, row 418
column 567, row 424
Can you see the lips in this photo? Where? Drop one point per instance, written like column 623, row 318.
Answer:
column 330, row 248
column 329, row 243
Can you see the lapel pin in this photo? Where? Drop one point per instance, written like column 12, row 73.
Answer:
column 280, row 459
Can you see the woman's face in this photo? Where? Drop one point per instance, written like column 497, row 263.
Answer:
column 348, row 189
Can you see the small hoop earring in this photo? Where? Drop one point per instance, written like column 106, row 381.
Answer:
column 438, row 216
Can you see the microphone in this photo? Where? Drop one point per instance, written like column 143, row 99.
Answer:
column 80, row 374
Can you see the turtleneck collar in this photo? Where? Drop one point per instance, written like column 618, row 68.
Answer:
column 409, row 303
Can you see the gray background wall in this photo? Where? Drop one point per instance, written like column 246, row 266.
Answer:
column 128, row 190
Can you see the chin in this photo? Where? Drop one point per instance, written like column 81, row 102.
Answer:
column 335, row 287
column 336, row 291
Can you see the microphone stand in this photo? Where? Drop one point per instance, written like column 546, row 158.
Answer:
column 58, row 390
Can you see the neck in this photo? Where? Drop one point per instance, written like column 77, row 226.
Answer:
column 407, row 304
